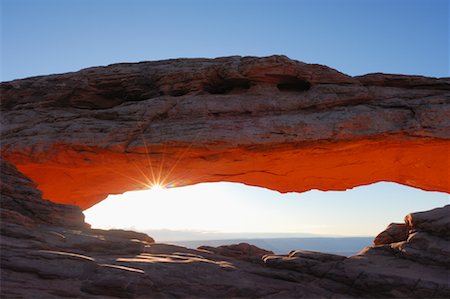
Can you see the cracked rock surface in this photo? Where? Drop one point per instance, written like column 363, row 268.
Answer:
column 47, row 251
column 270, row 122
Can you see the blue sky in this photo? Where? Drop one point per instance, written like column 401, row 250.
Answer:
column 354, row 36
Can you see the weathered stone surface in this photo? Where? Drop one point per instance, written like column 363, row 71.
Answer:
column 303, row 261
column 242, row 251
column 416, row 268
column 425, row 248
column 316, row 256
column 22, row 202
column 42, row 257
column 395, row 232
column 270, row 122
column 436, row 221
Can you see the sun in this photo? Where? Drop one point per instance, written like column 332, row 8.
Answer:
column 157, row 187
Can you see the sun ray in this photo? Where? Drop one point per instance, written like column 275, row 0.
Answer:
column 160, row 180
column 161, row 165
column 142, row 172
column 148, row 156
column 129, row 177
column 111, row 169
column 181, row 156
column 184, row 178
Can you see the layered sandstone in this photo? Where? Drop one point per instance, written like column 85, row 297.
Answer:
column 47, row 251
column 271, row 122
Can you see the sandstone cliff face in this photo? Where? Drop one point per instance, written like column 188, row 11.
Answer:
column 270, row 122
column 45, row 256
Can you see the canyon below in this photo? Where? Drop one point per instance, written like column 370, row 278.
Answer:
column 70, row 140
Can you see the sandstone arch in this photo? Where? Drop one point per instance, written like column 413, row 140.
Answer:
column 270, row 122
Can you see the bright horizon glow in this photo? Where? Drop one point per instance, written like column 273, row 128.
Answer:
column 237, row 208
column 156, row 188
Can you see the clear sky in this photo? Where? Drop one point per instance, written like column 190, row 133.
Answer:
column 354, row 36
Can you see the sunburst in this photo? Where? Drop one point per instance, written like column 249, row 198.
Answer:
column 157, row 187
column 162, row 178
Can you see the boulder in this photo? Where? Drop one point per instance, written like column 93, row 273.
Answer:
column 395, row 232
column 242, row 251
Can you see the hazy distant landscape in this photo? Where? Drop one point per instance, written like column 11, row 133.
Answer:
column 279, row 243
column 171, row 235
column 342, row 246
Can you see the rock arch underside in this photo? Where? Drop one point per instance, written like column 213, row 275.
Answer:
column 270, row 122
column 69, row 140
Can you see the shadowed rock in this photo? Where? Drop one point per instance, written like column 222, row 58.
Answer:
column 436, row 221
column 395, row 232
column 242, row 251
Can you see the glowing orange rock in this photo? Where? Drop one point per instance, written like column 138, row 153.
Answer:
column 270, row 122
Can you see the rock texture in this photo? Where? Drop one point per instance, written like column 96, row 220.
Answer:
column 241, row 251
column 411, row 265
column 271, row 122
column 395, row 232
column 47, row 251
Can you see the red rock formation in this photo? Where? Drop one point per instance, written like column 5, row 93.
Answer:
column 47, row 251
column 270, row 122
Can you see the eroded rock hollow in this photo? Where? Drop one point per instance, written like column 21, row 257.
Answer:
column 271, row 122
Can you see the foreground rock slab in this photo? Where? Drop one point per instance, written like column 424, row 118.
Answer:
column 241, row 251
column 270, row 122
column 48, row 251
